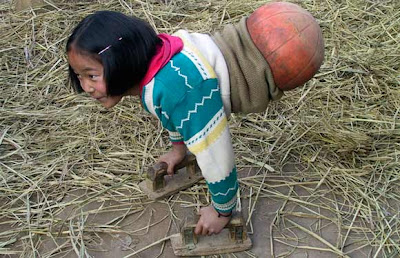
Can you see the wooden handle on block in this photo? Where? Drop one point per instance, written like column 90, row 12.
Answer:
column 235, row 221
column 236, row 228
column 160, row 168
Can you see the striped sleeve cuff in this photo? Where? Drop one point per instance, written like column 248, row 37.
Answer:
column 223, row 193
column 225, row 207
column 175, row 137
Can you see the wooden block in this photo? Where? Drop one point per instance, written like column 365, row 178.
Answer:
column 158, row 184
column 180, row 181
column 208, row 245
column 233, row 238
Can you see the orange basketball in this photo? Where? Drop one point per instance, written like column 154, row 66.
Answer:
column 291, row 41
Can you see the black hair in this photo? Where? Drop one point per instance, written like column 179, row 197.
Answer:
column 132, row 44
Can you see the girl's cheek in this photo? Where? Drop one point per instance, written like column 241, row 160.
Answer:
column 104, row 88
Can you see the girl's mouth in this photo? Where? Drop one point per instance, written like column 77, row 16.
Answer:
column 100, row 98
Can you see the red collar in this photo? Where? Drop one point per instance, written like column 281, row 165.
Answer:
column 170, row 46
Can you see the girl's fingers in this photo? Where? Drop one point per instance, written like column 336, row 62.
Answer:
column 205, row 231
column 198, row 229
column 170, row 170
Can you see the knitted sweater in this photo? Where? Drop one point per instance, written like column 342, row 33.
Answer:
column 185, row 96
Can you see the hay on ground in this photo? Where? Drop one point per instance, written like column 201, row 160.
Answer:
column 329, row 151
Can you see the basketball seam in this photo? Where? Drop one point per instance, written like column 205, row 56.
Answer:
column 319, row 37
column 308, row 25
column 302, row 12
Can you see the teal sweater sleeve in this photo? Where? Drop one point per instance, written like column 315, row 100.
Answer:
column 185, row 96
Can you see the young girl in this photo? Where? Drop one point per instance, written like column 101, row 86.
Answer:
column 191, row 82
column 112, row 55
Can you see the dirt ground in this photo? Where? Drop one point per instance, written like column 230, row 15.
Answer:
column 155, row 222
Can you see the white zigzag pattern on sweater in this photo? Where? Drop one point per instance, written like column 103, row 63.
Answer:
column 197, row 63
column 177, row 69
column 162, row 112
column 224, row 194
column 194, row 111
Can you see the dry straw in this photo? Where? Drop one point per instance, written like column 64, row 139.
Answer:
column 327, row 154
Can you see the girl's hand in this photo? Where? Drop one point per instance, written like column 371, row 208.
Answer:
column 174, row 157
column 209, row 222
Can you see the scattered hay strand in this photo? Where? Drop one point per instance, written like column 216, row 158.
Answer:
column 327, row 153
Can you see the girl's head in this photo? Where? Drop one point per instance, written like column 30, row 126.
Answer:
column 108, row 55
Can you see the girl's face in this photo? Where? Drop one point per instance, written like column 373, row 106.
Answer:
column 90, row 74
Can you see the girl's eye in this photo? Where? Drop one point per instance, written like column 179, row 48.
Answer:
column 93, row 77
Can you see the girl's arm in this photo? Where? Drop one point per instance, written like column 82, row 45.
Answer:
column 186, row 97
column 201, row 121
